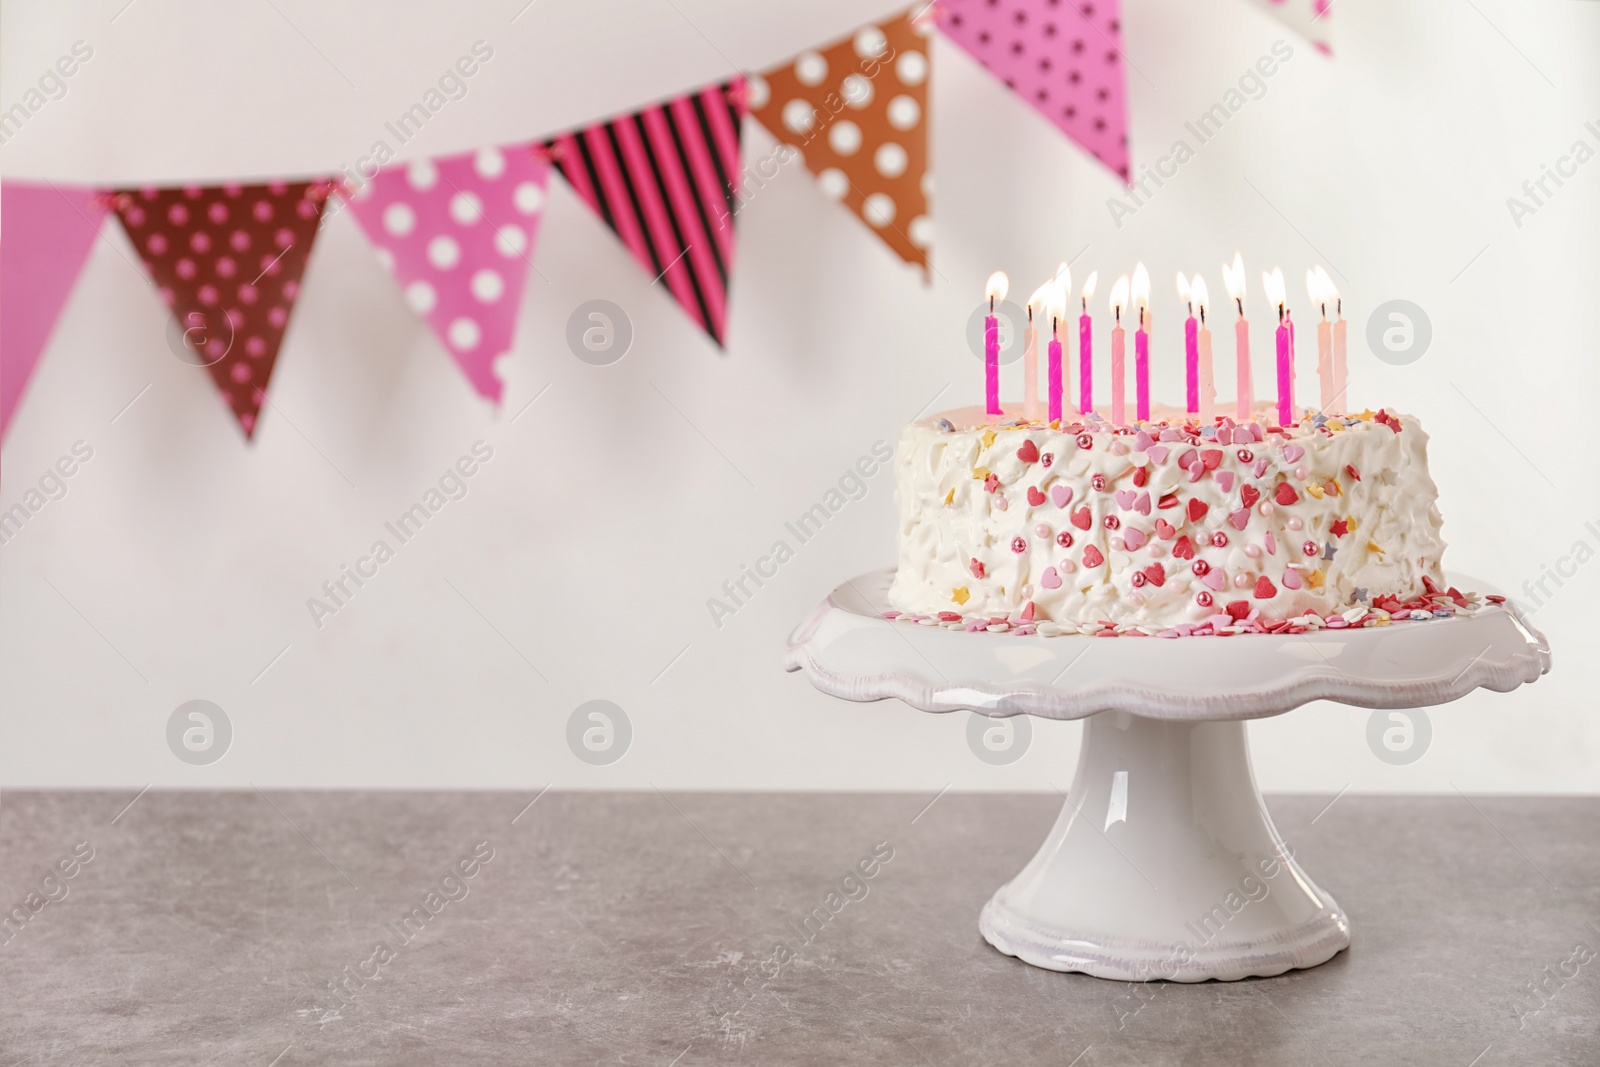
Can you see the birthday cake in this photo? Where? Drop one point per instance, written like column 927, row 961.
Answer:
column 1170, row 528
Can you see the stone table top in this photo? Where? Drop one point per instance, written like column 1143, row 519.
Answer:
column 644, row 928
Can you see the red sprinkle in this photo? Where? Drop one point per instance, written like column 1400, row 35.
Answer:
column 1183, row 548
column 1238, row 609
column 1352, row 472
column 1154, row 574
column 1092, row 556
column 1064, row 539
column 977, row 568
column 1249, row 494
column 1140, row 476
column 1265, row 590
column 1286, row 494
column 1029, row 452
column 1197, row 509
column 1168, row 501
column 1035, row 498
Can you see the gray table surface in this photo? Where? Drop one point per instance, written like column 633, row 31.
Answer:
column 640, row 928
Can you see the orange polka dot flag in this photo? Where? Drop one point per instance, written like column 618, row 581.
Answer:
column 227, row 261
column 665, row 179
column 856, row 112
column 1064, row 58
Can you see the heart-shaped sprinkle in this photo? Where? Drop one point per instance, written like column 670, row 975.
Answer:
column 1291, row 579
column 1060, row 495
column 1035, row 498
column 1171, row 435
column 1154, row 574
column 1224, row 435
column 1050, row 579
column 1124, row 499
column 1196, row 471
column 1141, row 441
column 1081, row 519
column 1169, row 500
column 1211, row 457
column 1165, row 529
column 1214, row 579
column 1265, row 590
column 1238, row 610
column 1352, row 472
column 1260, row 468
column 1291, row 453
column 1134, row 539
column 1142, row 504
column 1183, row 548
column 1239, row 519
column 1197, row 509
column 1188, row 459
column 1092, row 557
column 1029, row 452
column 1158, row 453
column 1249, row 494
column 1272, row 544
column 1286, row 494
column 1225, row 480
column 1140, row 477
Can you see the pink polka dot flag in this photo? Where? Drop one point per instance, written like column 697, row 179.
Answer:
column 48, row 230
column 458, row 235
column 1064, row 58
column 227, row 260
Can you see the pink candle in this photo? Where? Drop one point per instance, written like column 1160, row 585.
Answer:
column 1340, row 402
column 1191, row 362
column 1119, row 371
column 1030, row 368
column 1141, row 369
column 1246, row 385
column 1325, row 361
column 1055, row 368
column 1085, row 360
column 1208, row 384
column 996, row 291
column 1285, row 372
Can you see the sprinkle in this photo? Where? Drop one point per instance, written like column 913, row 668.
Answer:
column 977, row 568
column 1352, row 472
column 1285, row 494
column 945, row 425
column 1029, row 452
column 1372, row 546
column 980, row 473
column 1339, row 527
column 1265, row 590
column 949, row 498
column 959, row 594
column 988, row 439
column 1315, row 490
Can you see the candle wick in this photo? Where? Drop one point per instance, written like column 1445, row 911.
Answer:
column 1030, row 314
column 1339, row 307
column 991, row 305
column 1202, row 314
column 1240, row 301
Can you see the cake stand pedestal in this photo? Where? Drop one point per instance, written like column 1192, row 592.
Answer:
column 1164, row 862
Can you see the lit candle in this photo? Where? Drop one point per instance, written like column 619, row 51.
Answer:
column 1191, row 349
column 1062, row 289
column 1273, row 285
column 996, row 291
column 1233, row 280
column 1319, row 300
column 1119, row 403
column 1141, row 343
column 1056, row 310
column 1339, row 402
column 1030, row 352
column 1086, row 348
column 1208, row 383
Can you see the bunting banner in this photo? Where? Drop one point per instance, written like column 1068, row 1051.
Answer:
column 227, row 261
column 665, row 180
column 458, row 234
column 856, row 112
column 1308, row 18
column 1063, row 59
column 46, row 232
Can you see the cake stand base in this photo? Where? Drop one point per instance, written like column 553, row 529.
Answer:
column 1164, row 865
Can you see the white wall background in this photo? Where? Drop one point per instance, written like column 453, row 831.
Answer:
column 179, row 564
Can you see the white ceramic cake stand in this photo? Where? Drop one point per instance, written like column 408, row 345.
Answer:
column 1164, row 862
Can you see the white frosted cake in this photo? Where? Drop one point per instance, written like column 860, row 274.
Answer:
column 1167, row 529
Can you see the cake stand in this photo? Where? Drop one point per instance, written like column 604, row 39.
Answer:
column 1164, row 863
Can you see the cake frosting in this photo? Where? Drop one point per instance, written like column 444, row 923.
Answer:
column 1167, row 528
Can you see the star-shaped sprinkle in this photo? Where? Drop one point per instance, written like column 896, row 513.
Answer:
column 1339, row 528
column 1358, row 593
column 1328, row 550
column 988, row 439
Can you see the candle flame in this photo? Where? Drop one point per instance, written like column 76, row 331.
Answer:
column 1040, row 300
column 1272, row 284
column 1063, row 281
column 1233, row 278
column 1200, row 295
column 1141, row 288
column 1314, row 287
column 1089, row 285
column 1330, row 292
column 1183, row 289
column 1055, row 301
column 1119, row 296
column 999, row 285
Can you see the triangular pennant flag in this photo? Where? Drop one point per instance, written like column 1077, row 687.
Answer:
column 1064, row 59
column 227, row 260
column 46, row 231
column 1308, row 18
column 856, row 111
column 665, row 179
column 458, row 235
